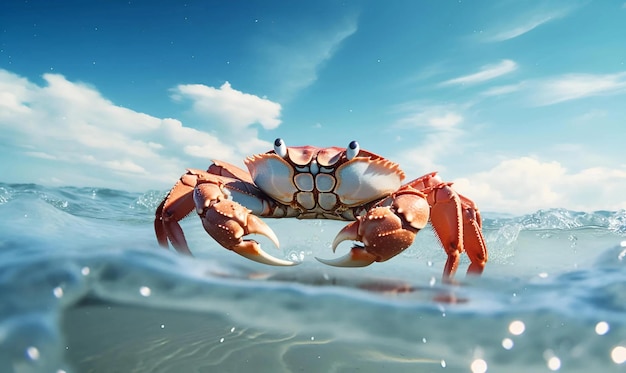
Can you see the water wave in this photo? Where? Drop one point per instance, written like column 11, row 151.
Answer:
column 85, row 288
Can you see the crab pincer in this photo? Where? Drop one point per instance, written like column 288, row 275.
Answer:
column 385, row 230
column 228, row 223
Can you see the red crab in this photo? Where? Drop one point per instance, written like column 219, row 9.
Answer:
column 308, row 182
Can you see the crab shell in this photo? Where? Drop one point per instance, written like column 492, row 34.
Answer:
column 324, row 180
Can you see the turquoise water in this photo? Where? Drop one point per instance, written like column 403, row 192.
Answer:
column 85, row 288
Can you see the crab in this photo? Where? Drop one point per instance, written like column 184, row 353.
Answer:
column 308, row 182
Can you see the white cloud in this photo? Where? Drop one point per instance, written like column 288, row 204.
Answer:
column 592, row 115
column 441, row 131
column 433, row 117
column 293, row 65
column 524, row 27
column 528, row 21
column 486, row 73
column 502, row 90
column 68, row 133
column 228, row 107
column 449, row 120
column 575, row 86
column 526, row 184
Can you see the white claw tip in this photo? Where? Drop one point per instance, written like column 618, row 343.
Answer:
column 265, row 258
column 362, row 259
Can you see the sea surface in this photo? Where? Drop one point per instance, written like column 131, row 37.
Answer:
column 84, row 287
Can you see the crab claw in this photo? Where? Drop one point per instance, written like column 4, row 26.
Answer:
column 385, row 230
column 357, row 257
column 228, row 222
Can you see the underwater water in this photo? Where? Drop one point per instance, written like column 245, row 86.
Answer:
column 84, row 287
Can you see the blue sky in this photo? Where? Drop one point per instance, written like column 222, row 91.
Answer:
column 520, row 103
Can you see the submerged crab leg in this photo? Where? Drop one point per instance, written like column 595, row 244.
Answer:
column 446, row 219
column 473, row 237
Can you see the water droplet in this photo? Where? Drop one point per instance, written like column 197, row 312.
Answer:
column 443, row 363
column 296, row 256
column 222, row 340
column 430, row 264
column 58, row 292
column 478, row 366
column 423, row 340
column 32, row 353
column 145, row 291
column 543, row 275
column 232, row 329
column 85, row 271
column 618, row 354
column 162, row 326
column 432, row 281
column 517, row 327
column 312, row 338
column 554, row 363
column 507, row 343
column 602, row 328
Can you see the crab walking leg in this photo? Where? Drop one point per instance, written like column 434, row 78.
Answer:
column 446, row 218
column 473, row 239
column 178, row 204
column 228, row 222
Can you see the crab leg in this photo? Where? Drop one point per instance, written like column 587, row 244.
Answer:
column 225, row 220
column 473, row 237
column 177, row 204
column 446, row 219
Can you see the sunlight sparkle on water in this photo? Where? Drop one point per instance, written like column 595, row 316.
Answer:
column 554, row 363
column 602, row 328
column 32, row 353
column 517, row 327
column 478, row 366
column 618, row 354
column 58, row 292
column 507, row 343
column 145, row 291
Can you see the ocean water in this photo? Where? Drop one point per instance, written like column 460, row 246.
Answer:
column 84, row 287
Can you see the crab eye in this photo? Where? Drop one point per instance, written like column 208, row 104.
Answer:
column 352, row 150
column 280, row 148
